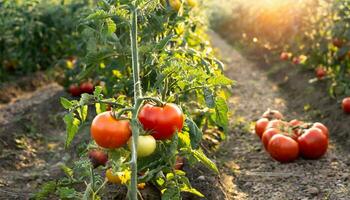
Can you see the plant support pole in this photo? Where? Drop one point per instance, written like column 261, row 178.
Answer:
column 132, row 194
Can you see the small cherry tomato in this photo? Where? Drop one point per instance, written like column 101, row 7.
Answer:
column 74, row 90
column 98, row 157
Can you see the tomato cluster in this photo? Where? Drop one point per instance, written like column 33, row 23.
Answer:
column 162, row 122
column 76, row 90
column 286, row 141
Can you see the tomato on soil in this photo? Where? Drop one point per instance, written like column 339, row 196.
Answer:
column 323, row 128
column 98, row 157
column 276, row 123
column 346, row 105
column 267, row 135
column 272, row 114
column 296, row 61
column 260, row 126
column 320, row 72
column 109, row 132
column 163, row 122
column 283, row 148
column 284, row 56
column 313, row 143
column 74, row 90
column 146, row 145
column 87, row 87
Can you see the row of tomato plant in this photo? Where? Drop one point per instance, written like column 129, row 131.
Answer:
column 312, row 34
column 157, row 86
column 37, row 34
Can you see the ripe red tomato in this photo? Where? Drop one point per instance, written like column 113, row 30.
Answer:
column 283, row 148
column 74, row 90
column 162, row 121
column 296, row 61
column 109, row 132
column 313, row 143
column 346, row 105
column 98, row 157
column 260, row 126
column 337, row 42
column 284, row 56
column 323, row 128
column 272, row 114
column 320, row 72
column 87, row 87
column 267, row 135
column 276, row 123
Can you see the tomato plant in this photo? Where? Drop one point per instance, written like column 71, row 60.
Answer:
column 177, row 86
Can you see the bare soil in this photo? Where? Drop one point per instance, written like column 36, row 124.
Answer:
column 32, row 137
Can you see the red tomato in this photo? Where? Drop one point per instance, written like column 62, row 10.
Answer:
column 272, row 114
column 320, row 72
column 338, row 42
column 162, row 121
column 284, row 56
column 98, row 157
column 267, row 135
column 313, row 143
column 283, row 148
column 296, row 61
column 346, row 105
column 276, row 123
column 323, row 128
column 295, row 124
column 260, row 126
column 109, row 132
column 74, row 90
column 87, row 87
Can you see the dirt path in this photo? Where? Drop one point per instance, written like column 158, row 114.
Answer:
column 248, row 171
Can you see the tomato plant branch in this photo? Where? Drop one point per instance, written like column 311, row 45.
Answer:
column 135, row 128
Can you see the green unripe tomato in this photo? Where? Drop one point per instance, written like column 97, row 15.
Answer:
column 146, row 145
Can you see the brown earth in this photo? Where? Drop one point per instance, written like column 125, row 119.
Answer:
column 32, row 137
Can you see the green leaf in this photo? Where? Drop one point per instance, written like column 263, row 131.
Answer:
column 72, row 127
column 68, row 171
column 192, row 190
column 221, row 113
column 204, row 159
column 98, row 91
column 88, row 192
column 67, row 193
column 172, row 193
column 111, row 26
column 66, row 103
column 195, row 133
column 83, row 110
column 209, row 97
column 45, row 190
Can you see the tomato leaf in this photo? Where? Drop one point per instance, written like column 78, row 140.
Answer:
column 45, row 190
column 209, row 97
column 66, row 103
column 204, row 159
column 82, row 111
column 72, row 127
column 171, row 193
column 67, row 193
column 68, row 171
column 195, row 133
column 221, row 114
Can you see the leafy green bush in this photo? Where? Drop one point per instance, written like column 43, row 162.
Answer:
column 35, row 34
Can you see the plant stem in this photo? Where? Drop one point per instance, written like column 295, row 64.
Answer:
column 132, row 194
